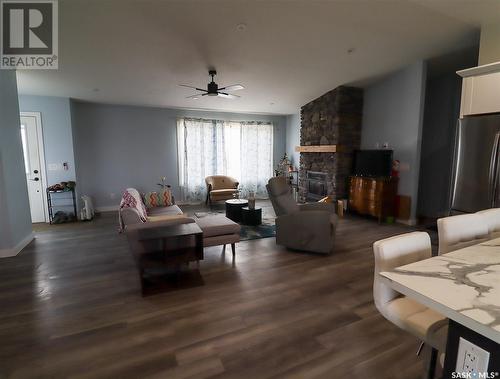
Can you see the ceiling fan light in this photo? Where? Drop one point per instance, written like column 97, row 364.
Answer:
column 213, row 89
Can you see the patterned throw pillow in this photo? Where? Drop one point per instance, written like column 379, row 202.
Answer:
column 151, row 199
column 165, row 197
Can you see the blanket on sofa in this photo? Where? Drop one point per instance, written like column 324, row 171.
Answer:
column 132, row 199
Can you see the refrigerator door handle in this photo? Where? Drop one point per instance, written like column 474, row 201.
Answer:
column 454, row 167
column 493, row 174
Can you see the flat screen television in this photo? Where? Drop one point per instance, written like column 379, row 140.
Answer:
column 372, row 163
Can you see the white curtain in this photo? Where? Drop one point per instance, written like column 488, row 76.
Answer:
column 241, row 149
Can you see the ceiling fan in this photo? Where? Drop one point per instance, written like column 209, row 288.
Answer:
column 214, row 90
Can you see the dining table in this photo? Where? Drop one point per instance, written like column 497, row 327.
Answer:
column 464, row 286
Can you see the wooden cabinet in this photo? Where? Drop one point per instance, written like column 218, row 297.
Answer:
column 373, row 196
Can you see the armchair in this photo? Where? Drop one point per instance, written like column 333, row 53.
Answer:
column 307, row 227
column 220, row 187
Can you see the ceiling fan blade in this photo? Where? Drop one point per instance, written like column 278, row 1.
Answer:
column 227, row 95
column 196, row 88
column 194, row 97
column 234, row 87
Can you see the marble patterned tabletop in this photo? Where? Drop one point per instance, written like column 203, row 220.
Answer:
column 463, row 285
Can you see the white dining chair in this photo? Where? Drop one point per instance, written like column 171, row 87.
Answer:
column 457, row 232
column 492, row 219
column 424, row 323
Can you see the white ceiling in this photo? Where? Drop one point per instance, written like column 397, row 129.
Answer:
column 136, row 52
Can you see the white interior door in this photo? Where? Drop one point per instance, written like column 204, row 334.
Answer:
column 34, row 165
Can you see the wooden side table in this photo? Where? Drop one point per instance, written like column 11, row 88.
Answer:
column 251, row 216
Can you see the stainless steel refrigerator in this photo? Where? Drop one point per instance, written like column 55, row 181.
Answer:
column 476, row 164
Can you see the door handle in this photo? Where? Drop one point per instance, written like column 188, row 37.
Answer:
column 454, row 168
column 493, row 174
column 495, row 178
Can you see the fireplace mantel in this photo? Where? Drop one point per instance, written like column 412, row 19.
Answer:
column 316, row 149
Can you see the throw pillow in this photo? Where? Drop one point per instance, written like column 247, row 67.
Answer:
column 165, row 197
column 151, row 199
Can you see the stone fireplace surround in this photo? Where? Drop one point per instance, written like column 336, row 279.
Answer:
column 332, row 119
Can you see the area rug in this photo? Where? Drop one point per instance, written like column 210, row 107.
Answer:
column 265, row 230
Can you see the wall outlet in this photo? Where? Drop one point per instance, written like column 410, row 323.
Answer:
column 471, row 358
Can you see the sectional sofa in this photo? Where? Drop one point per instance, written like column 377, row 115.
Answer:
column 133, row 214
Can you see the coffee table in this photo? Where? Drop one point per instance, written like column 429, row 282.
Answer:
column 233, row 208
column 251, row 216
column 175, row 233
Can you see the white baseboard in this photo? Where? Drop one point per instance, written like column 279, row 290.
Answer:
column 4, row 253
column 411, row 222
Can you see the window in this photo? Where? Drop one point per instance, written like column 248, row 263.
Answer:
column 241, row 149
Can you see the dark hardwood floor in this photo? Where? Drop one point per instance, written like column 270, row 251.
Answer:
column 70, row 306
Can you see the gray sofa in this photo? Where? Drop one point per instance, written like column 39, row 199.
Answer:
column 307, row 227
column 217, row 230
column 137, row 214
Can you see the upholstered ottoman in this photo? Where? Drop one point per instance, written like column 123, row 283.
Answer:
column 219, row 230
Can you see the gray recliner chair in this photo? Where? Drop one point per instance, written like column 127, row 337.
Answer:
column 307, row 227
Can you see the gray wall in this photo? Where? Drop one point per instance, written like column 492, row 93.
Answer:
column 442, row 109
column 15, row 218
column 441, row 113
column 127, row 146
column 393, row 113
column 57, row 134
column 293, row 137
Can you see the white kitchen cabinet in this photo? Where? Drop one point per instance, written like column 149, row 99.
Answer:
column 480, row 90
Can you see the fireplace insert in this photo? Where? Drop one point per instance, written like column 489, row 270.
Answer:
column 316, row 185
